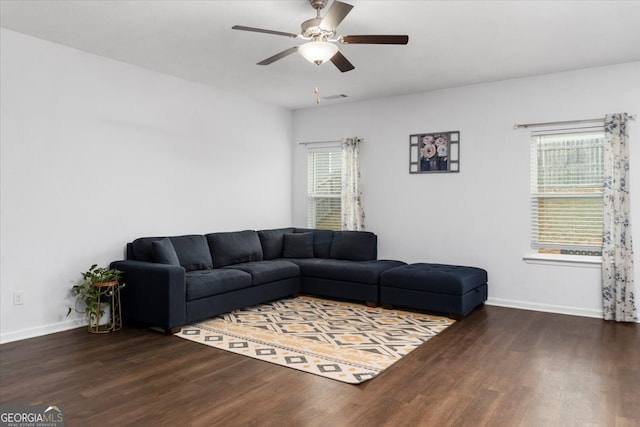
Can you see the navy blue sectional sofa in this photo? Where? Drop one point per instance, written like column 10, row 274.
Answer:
column 174, row 281
column 177, row 280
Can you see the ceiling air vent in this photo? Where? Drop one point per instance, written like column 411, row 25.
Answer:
column 332, row 97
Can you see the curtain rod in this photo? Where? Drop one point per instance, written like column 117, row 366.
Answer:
column 565, row 122
column 320, row 142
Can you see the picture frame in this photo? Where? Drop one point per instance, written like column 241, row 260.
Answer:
column 434, row 152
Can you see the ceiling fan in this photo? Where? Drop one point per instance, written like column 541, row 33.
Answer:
column 320, row 32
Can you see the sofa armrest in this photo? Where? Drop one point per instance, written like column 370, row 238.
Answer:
column 154, row 294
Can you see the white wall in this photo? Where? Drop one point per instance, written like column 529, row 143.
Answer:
column 96, row 153
column 479, row 216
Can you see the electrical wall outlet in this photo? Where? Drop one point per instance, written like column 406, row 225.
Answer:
column 18, row 298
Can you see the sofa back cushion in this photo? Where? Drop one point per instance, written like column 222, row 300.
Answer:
column 234, row 247
column 354, row 245
column 321, row 241
column 193, row 252
column 272, row 242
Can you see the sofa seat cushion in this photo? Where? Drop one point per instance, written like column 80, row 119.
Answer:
column 435, row 278
column 267, row 271
column 348, row 271
column 205, row 283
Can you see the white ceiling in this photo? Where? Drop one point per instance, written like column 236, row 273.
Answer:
column 451, row 43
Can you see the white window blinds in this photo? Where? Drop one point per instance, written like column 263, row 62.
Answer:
column 325, row 186
column 567, row 179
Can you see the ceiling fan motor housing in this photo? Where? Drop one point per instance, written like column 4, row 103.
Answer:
column 311, row 29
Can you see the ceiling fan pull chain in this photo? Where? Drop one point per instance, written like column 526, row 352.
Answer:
column 315, row 89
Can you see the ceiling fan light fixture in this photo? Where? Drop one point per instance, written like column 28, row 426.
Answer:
column 318, row 52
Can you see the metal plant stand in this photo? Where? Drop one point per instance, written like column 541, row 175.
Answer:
column 108, row 299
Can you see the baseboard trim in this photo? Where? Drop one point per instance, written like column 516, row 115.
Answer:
column 547, row 308
column 24, row 334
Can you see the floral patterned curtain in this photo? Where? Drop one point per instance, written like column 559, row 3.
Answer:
column 618, row 297
column 352, row 210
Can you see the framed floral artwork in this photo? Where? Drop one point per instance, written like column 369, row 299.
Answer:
column 435, row 152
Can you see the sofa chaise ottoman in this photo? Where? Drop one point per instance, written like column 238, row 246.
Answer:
column 450, row 289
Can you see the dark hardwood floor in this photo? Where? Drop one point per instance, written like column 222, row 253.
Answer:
column 497, row 367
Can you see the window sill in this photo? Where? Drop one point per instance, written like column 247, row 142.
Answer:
column 564, row 260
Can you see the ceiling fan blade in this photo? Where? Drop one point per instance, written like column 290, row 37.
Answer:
column 334, row 16
column 261, row 30
column 278, row 56
column 374, row 39
column 341, row 62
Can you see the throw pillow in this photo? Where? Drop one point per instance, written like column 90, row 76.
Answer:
column 298, row 245
column 163, row 252
column 321, row 241
column 272, row 242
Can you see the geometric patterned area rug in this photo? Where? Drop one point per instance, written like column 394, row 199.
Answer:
column 347, row 342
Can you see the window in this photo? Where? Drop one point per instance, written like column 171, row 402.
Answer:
column 325, row 185
column 567, row 178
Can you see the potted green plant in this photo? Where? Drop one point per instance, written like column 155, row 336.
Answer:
column 95, row 290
